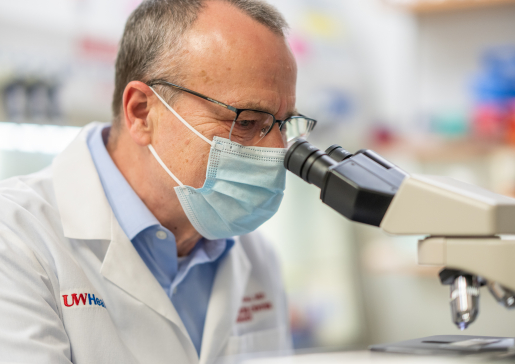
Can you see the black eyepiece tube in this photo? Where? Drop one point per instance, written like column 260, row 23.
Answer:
column 308, row 162
column 337, row 153
column 359, row 186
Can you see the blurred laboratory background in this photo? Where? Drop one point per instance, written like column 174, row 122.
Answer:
column 429, row 84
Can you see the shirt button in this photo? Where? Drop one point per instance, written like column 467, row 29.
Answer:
column 175, row 290
column 161, row 235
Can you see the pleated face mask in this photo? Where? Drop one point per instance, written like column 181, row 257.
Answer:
column 244, row 187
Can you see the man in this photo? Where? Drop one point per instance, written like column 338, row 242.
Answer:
column 135, row 246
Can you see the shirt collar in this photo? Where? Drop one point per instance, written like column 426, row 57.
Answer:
column 130, row 211
column 206, row 251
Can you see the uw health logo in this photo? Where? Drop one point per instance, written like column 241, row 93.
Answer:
column 76, row 300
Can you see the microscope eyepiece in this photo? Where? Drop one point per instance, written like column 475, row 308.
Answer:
column 359, row 186
column 337, row 153
column 308, row 162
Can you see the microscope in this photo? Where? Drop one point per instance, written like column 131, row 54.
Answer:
column 462, row 223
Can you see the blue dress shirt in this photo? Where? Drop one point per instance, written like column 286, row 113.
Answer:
column 187, row 281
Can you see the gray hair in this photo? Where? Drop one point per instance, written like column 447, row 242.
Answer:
column 154, row 32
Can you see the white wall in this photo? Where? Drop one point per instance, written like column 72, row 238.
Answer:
column 450, row 45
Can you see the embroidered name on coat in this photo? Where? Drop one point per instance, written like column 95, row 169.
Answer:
column 253, row 305
column 85, row 299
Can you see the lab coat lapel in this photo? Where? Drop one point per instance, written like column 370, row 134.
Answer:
column 226, row 297
column 124, row 267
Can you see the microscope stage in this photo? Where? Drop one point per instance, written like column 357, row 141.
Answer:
column 449, row 345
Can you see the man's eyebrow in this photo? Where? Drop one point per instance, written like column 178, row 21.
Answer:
column 253, row 106
column 256, row 106
column 295, row 112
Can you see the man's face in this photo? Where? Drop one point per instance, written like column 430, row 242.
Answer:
column 235, row 60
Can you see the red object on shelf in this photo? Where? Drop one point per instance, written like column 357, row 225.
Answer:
column 510, row 121
column 97, row 49
column 489, row 121
column 381, row 136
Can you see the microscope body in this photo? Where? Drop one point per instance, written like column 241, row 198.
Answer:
column 462, row 222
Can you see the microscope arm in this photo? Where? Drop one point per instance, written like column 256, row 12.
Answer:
column 490, row 258
column 442, row 206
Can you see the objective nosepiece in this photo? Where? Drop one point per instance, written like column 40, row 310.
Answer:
column 464, row 300
column 503, row 295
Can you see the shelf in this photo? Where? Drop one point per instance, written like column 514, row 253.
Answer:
column 432, row 6
column 436, row 150
column 489, row 164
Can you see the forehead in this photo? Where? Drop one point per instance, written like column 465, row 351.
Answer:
column 230, row 56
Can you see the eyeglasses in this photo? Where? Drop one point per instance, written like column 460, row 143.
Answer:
column 250, row 126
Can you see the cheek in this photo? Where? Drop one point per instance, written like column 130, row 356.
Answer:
column 193, row 163
column 187, row 157
column 184, row 152
column 200, row 168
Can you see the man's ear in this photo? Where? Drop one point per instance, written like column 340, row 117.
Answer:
column 136, row 107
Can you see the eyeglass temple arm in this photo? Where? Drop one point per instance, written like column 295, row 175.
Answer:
column 166, row 83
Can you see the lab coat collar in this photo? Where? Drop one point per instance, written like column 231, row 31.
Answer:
column 83, row 206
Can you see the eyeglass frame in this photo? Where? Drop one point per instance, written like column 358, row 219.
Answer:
column 238, row 111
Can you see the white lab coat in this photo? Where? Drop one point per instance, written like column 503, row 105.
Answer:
column 59, row 237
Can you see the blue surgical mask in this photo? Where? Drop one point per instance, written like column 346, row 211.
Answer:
column 244, row 187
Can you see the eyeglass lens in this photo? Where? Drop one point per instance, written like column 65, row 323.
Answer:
column 298, row 127
column 251, row 127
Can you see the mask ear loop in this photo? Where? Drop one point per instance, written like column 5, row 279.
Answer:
column 181, row 119
column 154, row 153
